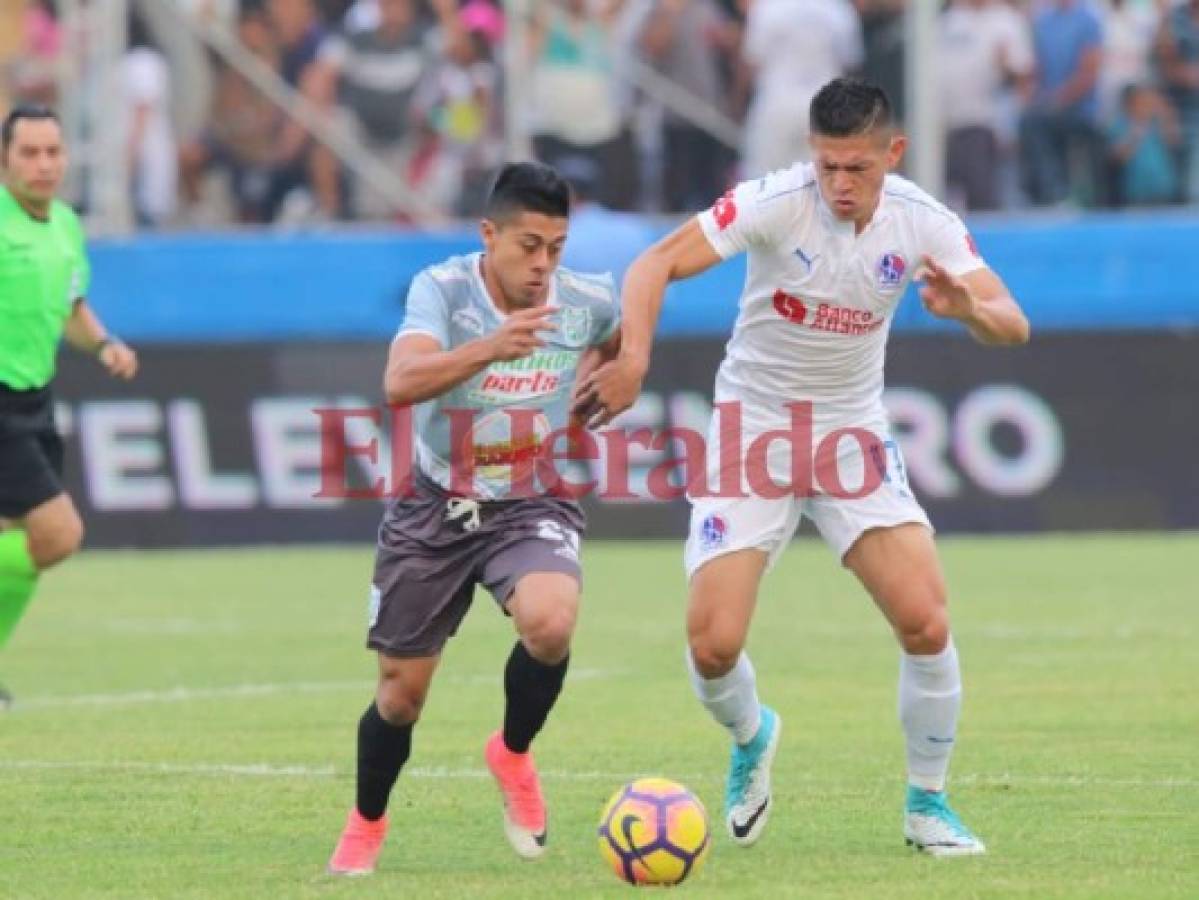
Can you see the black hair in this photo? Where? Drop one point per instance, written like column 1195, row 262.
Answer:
column 847, row 107
column 527, row 187
column 138, row 33
column 35, row 112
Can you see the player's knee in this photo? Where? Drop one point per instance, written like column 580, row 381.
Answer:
column 398, row 703
column 713, row 654
column 50, row 547
column 928, row 635
column 547, row 636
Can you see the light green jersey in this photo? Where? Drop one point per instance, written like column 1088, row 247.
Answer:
column 43, row 270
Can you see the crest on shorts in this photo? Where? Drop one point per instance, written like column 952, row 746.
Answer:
column 891, row 269
column 576, row 324
column 713, row 532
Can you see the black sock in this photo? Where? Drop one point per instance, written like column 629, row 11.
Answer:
column 382, row 751
column 531, row 687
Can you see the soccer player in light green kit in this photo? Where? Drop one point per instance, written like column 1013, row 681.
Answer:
column 43, row 282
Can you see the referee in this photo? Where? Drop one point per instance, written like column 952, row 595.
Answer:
column 43, row 281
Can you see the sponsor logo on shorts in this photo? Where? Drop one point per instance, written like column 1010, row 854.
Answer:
column 567, row 539
column 713, row 532
column 891, row 269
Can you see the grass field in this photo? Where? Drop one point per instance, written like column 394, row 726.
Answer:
column 188, row 720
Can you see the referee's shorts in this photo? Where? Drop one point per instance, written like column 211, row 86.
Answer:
column 30, row 451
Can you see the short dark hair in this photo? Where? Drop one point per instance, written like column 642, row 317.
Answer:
column 30, row 111
column 528, row 187
column 847, row 107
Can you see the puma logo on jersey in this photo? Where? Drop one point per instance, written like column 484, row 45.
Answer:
column 808, row 261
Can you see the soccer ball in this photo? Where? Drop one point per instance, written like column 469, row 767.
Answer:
column 654, row 831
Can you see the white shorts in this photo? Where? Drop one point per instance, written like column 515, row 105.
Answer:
column 870, row 490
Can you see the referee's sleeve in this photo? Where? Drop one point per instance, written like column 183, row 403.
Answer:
column 425, row 311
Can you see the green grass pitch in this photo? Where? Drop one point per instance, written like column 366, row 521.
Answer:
column 188, row 721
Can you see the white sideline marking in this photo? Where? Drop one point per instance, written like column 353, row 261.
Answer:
column 179, row 694
column 267, row 770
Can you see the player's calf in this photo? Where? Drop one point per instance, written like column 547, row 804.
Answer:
column 383, row 748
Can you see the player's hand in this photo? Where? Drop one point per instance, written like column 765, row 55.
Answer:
column 607, row 392
column 946, row 296
column 119, row 360
column 521, row 333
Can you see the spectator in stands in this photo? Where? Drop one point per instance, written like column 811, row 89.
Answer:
column 1060, row 126
column 299, row 33
column 366, row 78
column 243, row 133
column 31, row 76
column 1129, row 29
column 215, row 12
column 984, row 46
column 795, row 47
column 1177, row 50
column 601, row 239
column 883, row 39
column 1143, row 139
column 575, row 105
column 456, row 110
column 685, row 40
column 151, row 151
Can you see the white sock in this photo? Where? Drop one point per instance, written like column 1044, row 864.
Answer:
column 930, row 697
column 732, row 699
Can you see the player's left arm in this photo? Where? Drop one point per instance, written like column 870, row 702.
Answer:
column 594, row 357
column 85, row 331
column 978, row 299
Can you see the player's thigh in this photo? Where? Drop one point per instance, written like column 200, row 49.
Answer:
column 721, row 526
column 720, row 607
column 31, row 494
column 531, row 567
column 424, row 579
column 899, row 567
column 404, row 686
column 53, row 529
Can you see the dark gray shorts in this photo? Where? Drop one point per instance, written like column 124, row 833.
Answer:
column 428, row 562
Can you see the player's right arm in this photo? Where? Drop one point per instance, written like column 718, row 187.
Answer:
column 757, row 213
column 614, row 386
column 419, row 367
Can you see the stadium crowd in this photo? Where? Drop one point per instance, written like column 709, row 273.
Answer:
column 1082, row 103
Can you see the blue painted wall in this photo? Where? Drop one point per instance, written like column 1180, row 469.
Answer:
column 1101, row 272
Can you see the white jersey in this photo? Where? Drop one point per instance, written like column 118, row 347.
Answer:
column 818, row 300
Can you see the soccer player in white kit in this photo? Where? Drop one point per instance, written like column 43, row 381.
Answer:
column 832, row 245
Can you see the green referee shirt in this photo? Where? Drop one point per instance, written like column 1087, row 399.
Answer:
column 43, row 270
